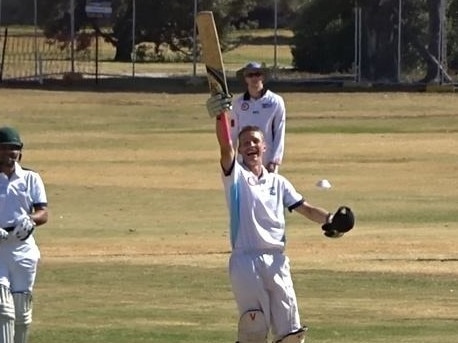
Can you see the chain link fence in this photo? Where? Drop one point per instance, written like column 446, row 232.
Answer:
column 26, row 54
column 30, row 56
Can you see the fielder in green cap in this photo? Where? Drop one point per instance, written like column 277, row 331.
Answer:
column 9, row 135
column 23, row 207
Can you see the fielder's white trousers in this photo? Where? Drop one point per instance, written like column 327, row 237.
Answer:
column 262, row 281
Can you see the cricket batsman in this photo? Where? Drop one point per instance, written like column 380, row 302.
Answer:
column 258, row 267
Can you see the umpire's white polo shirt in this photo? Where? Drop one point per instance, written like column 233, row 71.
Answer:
column 256, row 207
column 269, row 114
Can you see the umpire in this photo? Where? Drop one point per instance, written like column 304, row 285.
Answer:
column 23, row 206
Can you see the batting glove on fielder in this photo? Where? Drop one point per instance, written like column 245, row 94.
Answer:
column 24, row 227
column 3, row 235
column 340, row 222
column 218, row 104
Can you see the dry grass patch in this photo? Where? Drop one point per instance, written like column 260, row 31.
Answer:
column 137, row 245
column 364, row 105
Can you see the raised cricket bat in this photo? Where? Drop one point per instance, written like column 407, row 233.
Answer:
column 211, row 53
column 213, row 59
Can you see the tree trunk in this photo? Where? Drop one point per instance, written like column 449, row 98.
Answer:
column 379, row 41
column 122, row 33
column 123, row 50
column 437, row 47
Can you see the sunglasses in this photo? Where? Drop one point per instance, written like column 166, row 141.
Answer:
column 254, row 74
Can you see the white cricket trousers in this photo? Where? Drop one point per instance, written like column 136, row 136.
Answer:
column 18, row 269
column 262, row 281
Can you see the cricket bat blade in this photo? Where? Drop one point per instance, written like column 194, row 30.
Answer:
column 211, row 53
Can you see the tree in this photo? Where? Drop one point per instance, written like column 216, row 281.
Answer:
column 379, row 40
column 452, row 35
column 437, row 47
column 263, row 12
column 16, row 13
column 426, row 27
column 323, row 37
column 158, row 22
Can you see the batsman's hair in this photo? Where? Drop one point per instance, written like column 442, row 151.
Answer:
column 250, row 128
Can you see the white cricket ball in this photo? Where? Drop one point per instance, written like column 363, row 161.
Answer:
column 323, row 184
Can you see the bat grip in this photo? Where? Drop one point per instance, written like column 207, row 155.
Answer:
column 224, row 132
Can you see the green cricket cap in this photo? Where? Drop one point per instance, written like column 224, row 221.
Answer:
column 8, row 135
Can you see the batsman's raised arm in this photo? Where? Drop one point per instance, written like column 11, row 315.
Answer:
column 219, row 106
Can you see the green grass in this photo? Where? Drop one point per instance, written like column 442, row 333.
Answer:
column 136, row 248
column 190, row 303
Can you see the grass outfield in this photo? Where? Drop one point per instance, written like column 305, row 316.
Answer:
column 137, row 243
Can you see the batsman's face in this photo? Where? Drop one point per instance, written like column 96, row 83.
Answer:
column 9, row 154
column 252, row 147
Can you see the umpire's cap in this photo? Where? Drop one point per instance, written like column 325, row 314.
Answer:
column 9, row 135
column 253, row 67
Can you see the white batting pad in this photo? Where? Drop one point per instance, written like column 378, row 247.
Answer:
column 6, row 315
column 23, row 309
column 252, row 327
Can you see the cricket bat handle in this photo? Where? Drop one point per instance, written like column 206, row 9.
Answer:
column 223, row 129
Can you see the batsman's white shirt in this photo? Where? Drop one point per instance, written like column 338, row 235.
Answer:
column 259, row 270
column 269, row 114
column 18, row 259
column 256, row 207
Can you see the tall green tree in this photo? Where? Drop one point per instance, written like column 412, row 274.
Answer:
column 436, row 51
column 379, row 40
column 452, row 35
column 323, row 36
column 263, row 12
column 16, row 12
column 429, row 36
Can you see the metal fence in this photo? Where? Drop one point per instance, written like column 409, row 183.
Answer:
column 26, row 54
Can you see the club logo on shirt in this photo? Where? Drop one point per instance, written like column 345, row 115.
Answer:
column 272, row 191
column 253, row 181
column 245, row 106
